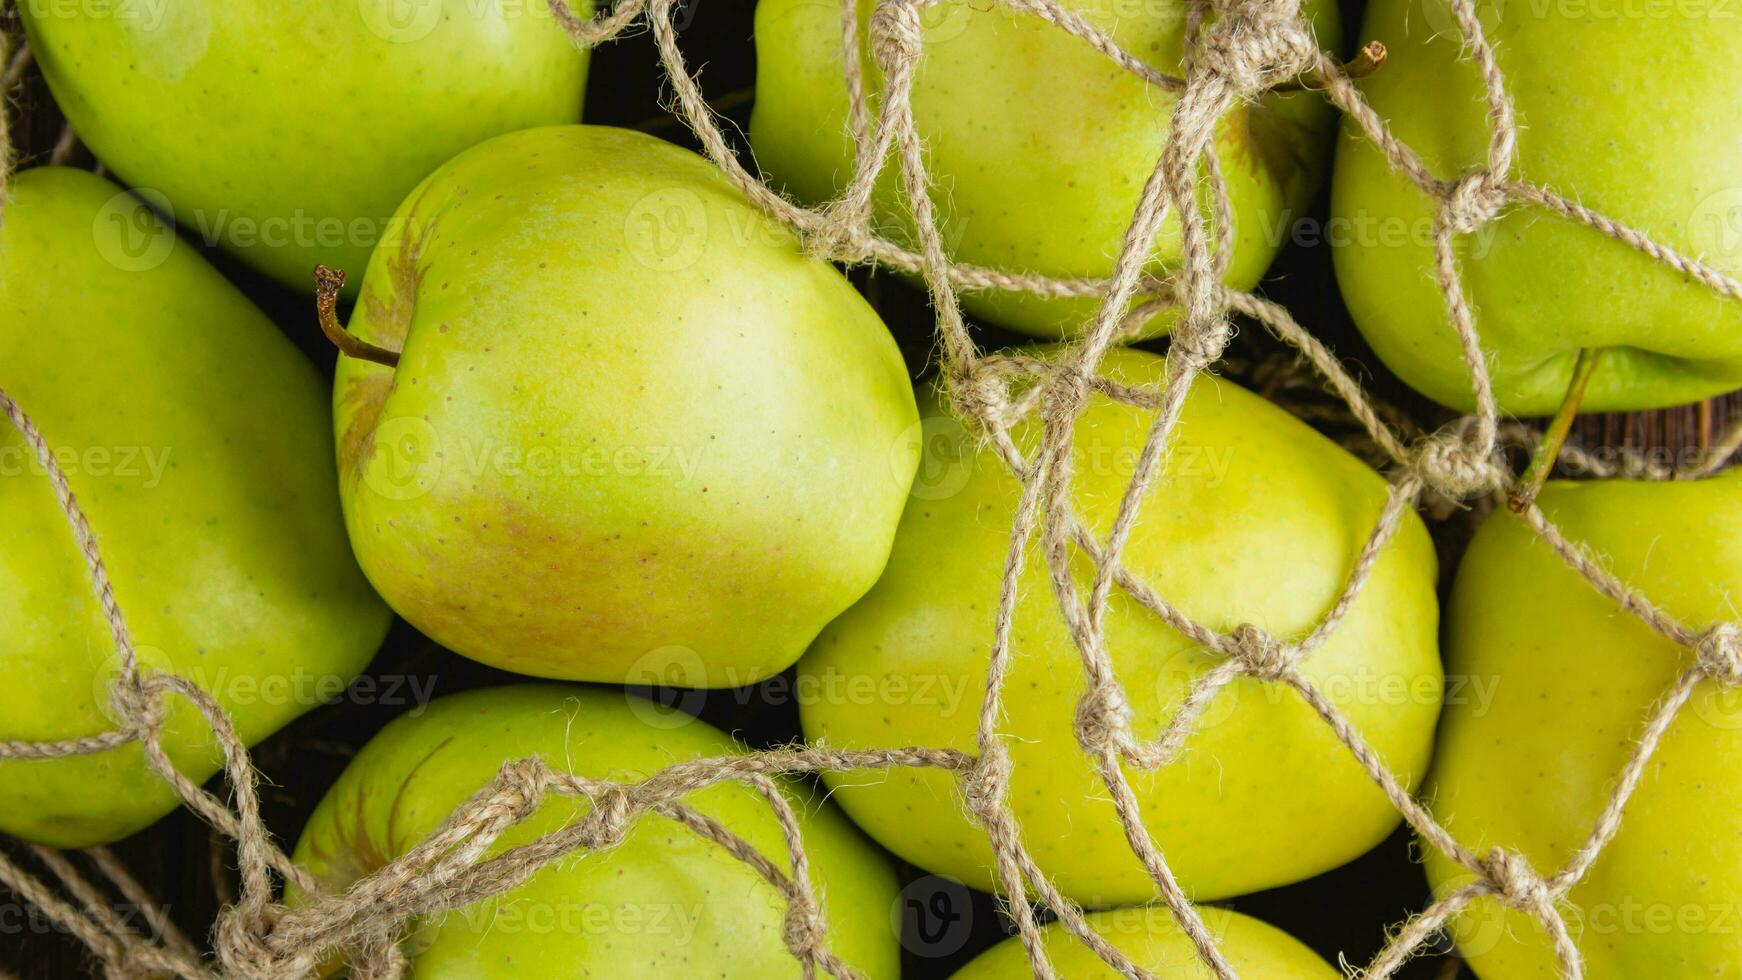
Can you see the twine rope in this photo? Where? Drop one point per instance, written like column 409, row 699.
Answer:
column 1236, row 50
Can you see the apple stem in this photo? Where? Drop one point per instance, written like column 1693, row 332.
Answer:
column 328, row 282
column 1366, row 61
column 1549, row 449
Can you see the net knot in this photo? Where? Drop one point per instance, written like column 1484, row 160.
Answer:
column 608, row 822
column 1201, row 344
column 1719, row 650
column 1515, row 882
column 240, row 942
column 837, row 236
column 520, row 788
column 138, row 702
column 380, row 955
column 1449, row 465
column 1474, row 201
column 804, row 930
column 1103, row 715
column 1255, row 45
column 984, row 782
column 1258, row 653
column 981, row 397
column 895, row 33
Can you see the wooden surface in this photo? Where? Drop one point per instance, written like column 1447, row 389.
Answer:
column 1342, row 913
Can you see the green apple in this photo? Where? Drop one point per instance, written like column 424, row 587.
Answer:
column 196, row 440
column 1254, row 519
column 1574, row 680
column 1602, row 121
column 666, row 902
column 1150, row 937
column 288, row 132
column 634, row 432
column 1038, row 145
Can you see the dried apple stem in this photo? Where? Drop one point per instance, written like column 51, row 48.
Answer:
column 328, row 282
column 1549, row 449
column 1366, row 61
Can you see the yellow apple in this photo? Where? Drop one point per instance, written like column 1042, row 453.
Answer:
column 288, row 132
column 1254, row 519
column 1150, row 937
column 664, row 902
column 196, row 440
column 634, row 433
column 1575, row 679
column 1625, row 108
column 1038, row 145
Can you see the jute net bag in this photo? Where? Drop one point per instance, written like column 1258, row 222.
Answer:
column 1236, row 50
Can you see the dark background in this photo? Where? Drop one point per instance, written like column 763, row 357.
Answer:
column 1343, row 914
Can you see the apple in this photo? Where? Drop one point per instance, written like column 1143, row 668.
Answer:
column 1038, row 146
column 288, row 132
column 1601, row 120
column 634, row 434
column 665, row 902
column 1254, row 519
column 1150, row 937
column 1574, row 681
column 196, row 440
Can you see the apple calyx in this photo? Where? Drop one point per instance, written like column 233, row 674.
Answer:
column 328, row 282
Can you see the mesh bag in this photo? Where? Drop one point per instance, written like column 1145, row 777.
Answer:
column 1236, row 49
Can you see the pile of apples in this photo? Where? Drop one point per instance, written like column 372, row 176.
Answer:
column 599, row 420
